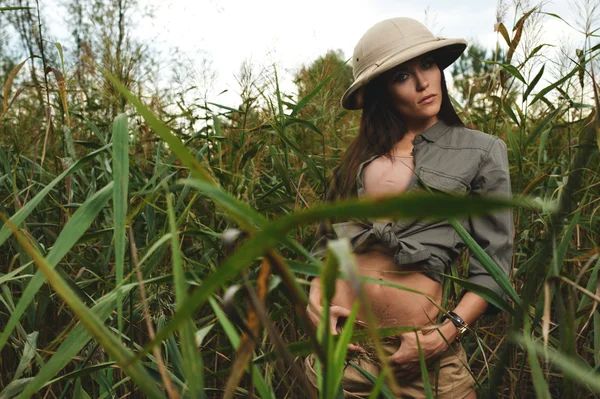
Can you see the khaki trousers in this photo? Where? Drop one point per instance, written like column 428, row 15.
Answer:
column 454, row 379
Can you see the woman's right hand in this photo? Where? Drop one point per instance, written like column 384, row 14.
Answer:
column 314, row 310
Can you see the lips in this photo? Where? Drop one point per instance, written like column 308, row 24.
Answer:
column 427, row 97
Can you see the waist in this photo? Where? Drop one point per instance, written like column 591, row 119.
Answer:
column 379, row 259
column 402, row 294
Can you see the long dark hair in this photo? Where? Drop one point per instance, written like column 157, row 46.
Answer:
column 381, row 126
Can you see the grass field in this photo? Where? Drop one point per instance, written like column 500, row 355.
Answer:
column 146, row 252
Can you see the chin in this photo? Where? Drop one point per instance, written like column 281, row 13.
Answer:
column 431, row 111
column 430, row 114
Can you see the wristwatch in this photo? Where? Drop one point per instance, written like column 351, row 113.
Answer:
column 458, row 322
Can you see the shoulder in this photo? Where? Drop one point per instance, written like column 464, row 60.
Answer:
column 467, row 138
column 376, row 165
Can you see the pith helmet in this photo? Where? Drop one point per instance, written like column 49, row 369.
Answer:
column 390, row 43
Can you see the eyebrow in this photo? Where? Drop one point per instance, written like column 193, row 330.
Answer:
column 403, row 67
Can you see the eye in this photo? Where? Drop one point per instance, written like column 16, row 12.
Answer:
column 428, row 63
column 400, row 77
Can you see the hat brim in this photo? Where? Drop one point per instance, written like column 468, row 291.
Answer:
column 447, row 51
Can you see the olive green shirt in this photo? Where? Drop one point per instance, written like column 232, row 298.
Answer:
column 454, row 160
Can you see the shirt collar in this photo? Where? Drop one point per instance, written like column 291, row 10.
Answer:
column 435, row 131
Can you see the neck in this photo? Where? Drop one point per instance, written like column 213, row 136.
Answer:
column 416, row 127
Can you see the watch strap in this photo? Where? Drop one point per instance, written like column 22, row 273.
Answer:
column 458, row 322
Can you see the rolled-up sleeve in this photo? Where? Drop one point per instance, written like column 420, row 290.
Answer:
column 493, row 232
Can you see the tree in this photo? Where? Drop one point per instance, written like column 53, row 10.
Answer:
column 324, row 109
column 107, row 41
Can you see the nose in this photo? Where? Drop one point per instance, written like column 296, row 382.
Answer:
column 422, row 81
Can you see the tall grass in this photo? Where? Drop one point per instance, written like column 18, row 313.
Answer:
column 207, row 297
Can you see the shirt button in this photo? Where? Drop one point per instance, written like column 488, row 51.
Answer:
column 418, row 139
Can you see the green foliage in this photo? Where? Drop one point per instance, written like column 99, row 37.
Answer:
column 473, row 76
column 211, row 193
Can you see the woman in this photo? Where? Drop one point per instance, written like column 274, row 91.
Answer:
column 411, row 137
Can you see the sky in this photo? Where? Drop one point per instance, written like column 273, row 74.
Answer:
column 292, row 34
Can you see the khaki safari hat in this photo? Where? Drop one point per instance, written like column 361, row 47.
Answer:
column 390, row 43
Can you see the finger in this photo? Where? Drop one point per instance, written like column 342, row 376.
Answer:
column 335, row 324
column 314, row 318
column 315, row 307
column 399, row 357
column 316, row 310
column 334, row 330
column 356, row 348
column 333, row 320
column 427, row 330
column 339, row 311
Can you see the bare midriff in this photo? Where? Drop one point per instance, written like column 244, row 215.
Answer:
column 391, row 306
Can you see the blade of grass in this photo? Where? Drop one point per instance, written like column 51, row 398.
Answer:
column 79, row 392
column 548, row 88
column 326, row 333
column 424, row 373
column 172, row 351
column 192, row 362
column 8, row 84
column 120, row 164
column 13, row 389
column 539, row 383
column 484, row 292
column 29, row 351
column 542, row 125
column 561, row 251
column 15, row 274
column 596, row 339
column 495, row 272
column 535, row 80
column 16, row 8
column 339, row 358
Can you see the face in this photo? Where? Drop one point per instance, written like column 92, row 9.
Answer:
column 409, row 86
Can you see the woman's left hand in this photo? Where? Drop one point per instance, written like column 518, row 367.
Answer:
column 406, row 361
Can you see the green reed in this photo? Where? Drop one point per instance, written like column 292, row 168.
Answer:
column 208, row 209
